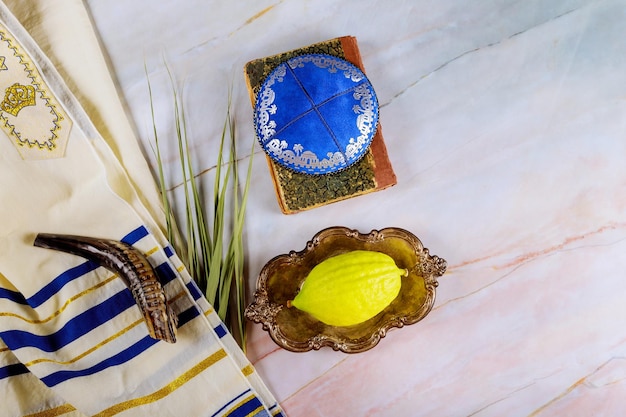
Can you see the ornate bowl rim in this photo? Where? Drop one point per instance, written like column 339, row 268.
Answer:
column 268, row 311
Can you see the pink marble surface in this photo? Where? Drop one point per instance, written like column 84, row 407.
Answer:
column 504, row 122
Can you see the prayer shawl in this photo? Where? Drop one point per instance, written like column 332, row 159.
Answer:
column 72, row 340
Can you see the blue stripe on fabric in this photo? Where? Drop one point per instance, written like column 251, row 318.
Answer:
column 262, row 413
column 165, row 273
column 220, row 330
column 191, row 313
column 280, row 414
column 188, row 315
column 194, row 290
column 121, row 357
column 13, row 370
column 135, row 236
column 247, row 408
column 14, row 296
column 73, row 329
column 118, row 359
column 230, row 403
column 59, row 282
column 78, row 271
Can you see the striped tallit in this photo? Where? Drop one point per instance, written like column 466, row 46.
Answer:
column 72, row 340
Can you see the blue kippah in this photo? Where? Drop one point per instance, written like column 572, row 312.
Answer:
column 316, row 114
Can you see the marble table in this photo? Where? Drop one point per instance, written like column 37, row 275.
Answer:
column 504, row 121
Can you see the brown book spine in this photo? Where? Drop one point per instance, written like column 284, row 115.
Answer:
column 383, row 172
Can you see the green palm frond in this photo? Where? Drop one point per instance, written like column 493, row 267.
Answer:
column 217, row 268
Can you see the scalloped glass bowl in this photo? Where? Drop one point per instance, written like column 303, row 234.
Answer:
column 297, row 331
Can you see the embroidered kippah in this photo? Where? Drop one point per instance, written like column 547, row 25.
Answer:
column 316, row 114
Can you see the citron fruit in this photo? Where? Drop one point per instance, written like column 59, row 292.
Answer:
column 350, row 288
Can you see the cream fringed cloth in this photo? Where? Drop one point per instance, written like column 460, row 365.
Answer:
column 72, row 340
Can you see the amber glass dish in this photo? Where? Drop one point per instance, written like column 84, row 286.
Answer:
column 297, row 331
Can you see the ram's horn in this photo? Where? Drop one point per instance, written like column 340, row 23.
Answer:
column 132, row 266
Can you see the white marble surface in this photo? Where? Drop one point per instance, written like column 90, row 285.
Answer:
column 505, row 124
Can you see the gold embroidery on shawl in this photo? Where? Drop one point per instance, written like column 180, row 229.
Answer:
column 42, row 132
column 63, row 307
column 167, row 389
column 247, row 370
column 17, row 97
column 152, row 251
column 92, row 349
column 172, row 300
column 88, row 351
column 71, row 300
column 52, row 412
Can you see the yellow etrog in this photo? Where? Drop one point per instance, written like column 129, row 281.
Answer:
column 350, row 288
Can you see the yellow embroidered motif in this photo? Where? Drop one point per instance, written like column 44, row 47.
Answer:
column 17, row 97
column 29, row 114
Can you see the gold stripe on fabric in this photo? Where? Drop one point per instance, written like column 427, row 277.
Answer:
column 258, row 410
column 4, row 349
column 64, row 306
column 87, row 352
column 248, row 370
column 151, row 251
column 180, row 268
column 57, row 411
column 240, row 403
column 255, row 412
column 166, row 390
column 176, row 297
